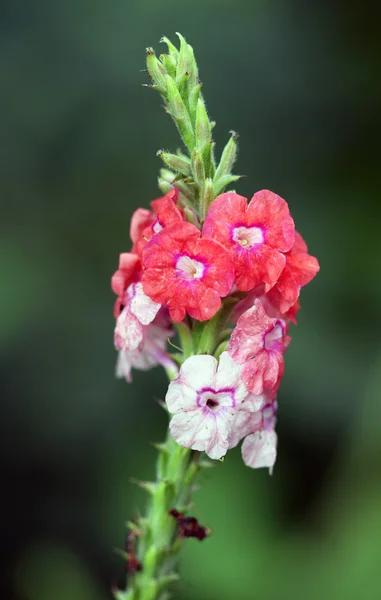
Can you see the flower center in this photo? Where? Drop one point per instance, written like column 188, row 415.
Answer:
column 187, row 268
column 215, row 400
column 247, row 237
column 157, row 226
column 273, row 339
column 211, row 403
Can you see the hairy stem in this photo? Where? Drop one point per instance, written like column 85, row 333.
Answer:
column 158, row 543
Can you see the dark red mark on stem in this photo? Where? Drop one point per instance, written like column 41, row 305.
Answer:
column 133, row 564
column 189, row 526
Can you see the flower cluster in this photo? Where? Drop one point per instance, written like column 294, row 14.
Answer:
column 244, row 265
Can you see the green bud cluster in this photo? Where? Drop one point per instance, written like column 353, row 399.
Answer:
column 197, row 175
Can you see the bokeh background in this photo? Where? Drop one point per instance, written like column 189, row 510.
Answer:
column 300, row 82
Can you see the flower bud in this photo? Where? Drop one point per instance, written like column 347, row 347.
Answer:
column 156, row 71
column 186, row 63
column 206, row 196
column 198, row 169
column 179, row 112
column 228, row 157
column 169, row 64
column 172, row 50
column 177, row 162
column 203, row 129
column 194, row 96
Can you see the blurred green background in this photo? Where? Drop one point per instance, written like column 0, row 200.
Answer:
column 300, row 82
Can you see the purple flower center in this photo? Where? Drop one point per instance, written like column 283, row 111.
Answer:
column 211, row 403
column 212, row 399
column 189, row 269
column 248, row 237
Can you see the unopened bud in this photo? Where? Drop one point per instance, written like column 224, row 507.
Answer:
column 172, row 50
column 179, row 163
column 179, row 112
column 186, row 63
column 203, row 129
column 206, row 196
column 228, row 157
column 156, row 70
column 169, row 64
column 194, row 96
column 198, row 169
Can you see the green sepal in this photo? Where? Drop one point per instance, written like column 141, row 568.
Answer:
column 198, row 169
column 179, row 112
column 186, row 339
column 167, row 579
column 220, row 184
column 169, row 64
column 191, row 216
column 122, row 553
column 164, row 187
column 228, row 157
column 177, row 357
column 191, row 472
column 179, row 163
column 186, row 64
column 221, row 348
column 161, row 447
column 172, row 50
column 134, row 527
column 206, row 196
column 194, row 97
column 202, row 127
column 148, row 486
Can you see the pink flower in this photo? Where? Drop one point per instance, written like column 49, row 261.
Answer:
column 300, row 268
column 256, row 234
column 259, row 447
column 185, row 272
column 139, row 310
column 258, row 342
column 205, row 400
column 150, row 352
column 127, row 273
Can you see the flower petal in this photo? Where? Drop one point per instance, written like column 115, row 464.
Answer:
column 259, row 449
column 144, row 309
column 199, row 371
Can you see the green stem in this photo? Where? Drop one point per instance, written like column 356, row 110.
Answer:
column 158, row 545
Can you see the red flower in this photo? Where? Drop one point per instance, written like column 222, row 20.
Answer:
column 185, row 272
column 128, row 272
column 256, row 234
column 144, row 223
column 141, row 219
column 300, row 268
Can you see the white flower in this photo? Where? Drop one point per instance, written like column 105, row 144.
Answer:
column 151, row 350
column 139, row 311
column 259, row 447
column 205, row 400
